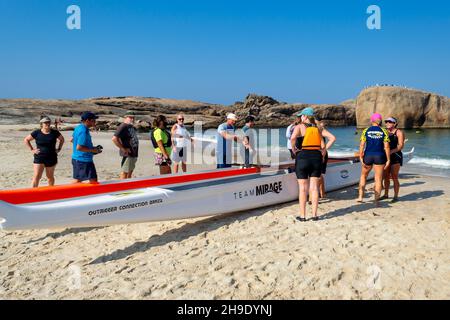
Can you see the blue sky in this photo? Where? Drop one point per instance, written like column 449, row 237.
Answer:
column 220, row 50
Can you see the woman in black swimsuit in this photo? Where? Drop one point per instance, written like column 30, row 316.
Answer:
column 45, row 153
column 397, row 141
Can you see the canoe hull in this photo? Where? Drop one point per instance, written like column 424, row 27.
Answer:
column 172, row 202
column 156, row 204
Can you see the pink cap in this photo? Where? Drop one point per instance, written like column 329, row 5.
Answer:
column 376, row 117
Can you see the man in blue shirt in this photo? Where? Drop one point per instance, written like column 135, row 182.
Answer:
column 84, row 150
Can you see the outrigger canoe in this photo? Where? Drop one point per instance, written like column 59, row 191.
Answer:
column 165, row 198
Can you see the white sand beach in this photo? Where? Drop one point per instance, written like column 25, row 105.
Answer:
column 357, row 251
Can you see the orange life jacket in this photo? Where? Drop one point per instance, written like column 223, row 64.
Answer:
column 312, row 139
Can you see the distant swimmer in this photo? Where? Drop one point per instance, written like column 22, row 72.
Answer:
column 396, row 144
column 374, row 152
column 45, row 154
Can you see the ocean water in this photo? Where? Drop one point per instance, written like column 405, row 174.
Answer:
column 432, row 148
column 431, row 156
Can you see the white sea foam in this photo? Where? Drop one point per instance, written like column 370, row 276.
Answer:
column 431, row 162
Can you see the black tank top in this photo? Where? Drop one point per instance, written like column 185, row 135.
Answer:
column 393, row 144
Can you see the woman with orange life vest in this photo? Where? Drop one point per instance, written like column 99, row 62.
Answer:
column 309, row 148
column 374, row 152
column 396, row 144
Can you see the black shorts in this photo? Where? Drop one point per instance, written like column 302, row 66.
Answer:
column 83, row 171
column 325, row 164
column 47, row 161
column 397, row 158
column 377, row 159
column 308, row 163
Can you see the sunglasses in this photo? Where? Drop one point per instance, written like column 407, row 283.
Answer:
column 389, row 122
column 180, row 119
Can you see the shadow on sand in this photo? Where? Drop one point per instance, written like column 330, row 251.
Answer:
column 184, row 232
column 64, row 233
column 213, row 223
column 360, row 207
column 417, row 196
column 357, row 207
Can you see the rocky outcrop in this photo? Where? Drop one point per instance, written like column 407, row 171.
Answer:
column 110, row 110
column 271, row 113
column 413, row 108
column 268, row 111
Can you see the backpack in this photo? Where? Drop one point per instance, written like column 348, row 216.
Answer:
column 155, row 144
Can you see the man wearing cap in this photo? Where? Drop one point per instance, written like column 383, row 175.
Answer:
column 84, row 150
column 126, row 139
column 374, row 153
column 225, row 137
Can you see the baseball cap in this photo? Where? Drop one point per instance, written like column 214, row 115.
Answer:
column 130, row 114
column 309, row 112
column 88, row 116
column 250, row 118
column 231, row 116
column 45, row 119
column 376, row 117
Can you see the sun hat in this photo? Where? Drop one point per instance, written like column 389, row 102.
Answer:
column 231, row 116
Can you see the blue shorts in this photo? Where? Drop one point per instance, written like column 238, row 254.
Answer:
column 83, row 171
column 377, row 159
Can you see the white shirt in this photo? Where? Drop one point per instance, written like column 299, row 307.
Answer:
column 181, row 131
column 289, row 132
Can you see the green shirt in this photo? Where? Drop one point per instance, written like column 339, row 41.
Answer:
column 160, row 135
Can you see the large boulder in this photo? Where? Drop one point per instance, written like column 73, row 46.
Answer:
column 413, row 108
column 271, row 113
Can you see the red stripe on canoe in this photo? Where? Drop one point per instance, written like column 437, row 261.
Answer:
column 26, row 196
